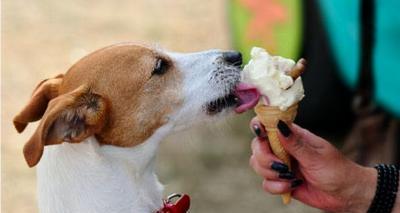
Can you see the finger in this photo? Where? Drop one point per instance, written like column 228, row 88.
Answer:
column 272, row 170
column 265, row 172
column 305, row 135
column 262, row 152
column 304, row 146
column 277, row 171
column 257, row 128
column 260, row 146
column 276, row 187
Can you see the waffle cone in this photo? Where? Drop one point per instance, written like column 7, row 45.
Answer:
column 269, row 117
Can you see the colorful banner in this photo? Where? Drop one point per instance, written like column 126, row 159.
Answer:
column 272, row 24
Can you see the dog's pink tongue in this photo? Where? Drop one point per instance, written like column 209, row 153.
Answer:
column 248, row 97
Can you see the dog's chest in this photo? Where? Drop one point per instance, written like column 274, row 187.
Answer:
column 85, row 177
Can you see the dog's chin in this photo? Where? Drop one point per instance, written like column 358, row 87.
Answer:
column 223, row 103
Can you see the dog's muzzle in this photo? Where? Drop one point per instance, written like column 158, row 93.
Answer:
column 229, row 77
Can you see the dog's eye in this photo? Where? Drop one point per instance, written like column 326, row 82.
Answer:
column 160, row 68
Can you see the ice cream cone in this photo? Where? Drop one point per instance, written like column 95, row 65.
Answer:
column 269, row 117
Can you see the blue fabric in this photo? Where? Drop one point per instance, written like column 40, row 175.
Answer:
column 387, row 54
column 341, row 19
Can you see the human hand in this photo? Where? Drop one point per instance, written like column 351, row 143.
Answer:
column 321, row 176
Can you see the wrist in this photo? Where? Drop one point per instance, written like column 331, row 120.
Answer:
column 386, row 190
column 364, row 186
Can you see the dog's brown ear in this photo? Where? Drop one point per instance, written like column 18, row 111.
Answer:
column 33, row 111
column 69, row 117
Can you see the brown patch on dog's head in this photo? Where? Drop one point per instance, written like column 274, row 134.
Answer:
column 121, row 94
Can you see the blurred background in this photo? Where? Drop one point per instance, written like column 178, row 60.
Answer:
column 42, row 38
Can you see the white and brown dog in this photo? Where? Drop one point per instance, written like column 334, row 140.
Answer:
column 106, row 116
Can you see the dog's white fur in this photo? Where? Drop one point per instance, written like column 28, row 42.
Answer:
column 97, row 178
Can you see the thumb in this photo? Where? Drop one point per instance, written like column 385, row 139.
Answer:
column 300, row 143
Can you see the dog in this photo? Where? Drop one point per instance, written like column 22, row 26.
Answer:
column 102, row 121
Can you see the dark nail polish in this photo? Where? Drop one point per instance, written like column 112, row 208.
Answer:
column 257, row 130
column 284, row 129
column 287, row 175
column 279, row 167
column 296, row 183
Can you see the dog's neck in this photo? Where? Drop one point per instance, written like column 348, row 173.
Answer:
column 88, row 177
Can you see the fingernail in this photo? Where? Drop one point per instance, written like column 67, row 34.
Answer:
column 284, row 129
column 257, row 130
column 279, row 167
column 296, row 183
column 287, row 175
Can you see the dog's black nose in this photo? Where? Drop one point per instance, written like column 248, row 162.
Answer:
column 233, row 57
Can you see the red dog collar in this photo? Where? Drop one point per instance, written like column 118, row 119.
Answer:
column 181, row 205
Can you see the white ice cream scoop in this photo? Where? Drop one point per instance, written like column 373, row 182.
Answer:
column 277, row 79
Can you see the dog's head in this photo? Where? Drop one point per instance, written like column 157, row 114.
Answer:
column 123, row 93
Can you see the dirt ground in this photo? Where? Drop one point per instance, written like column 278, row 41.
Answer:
column 42, row 38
